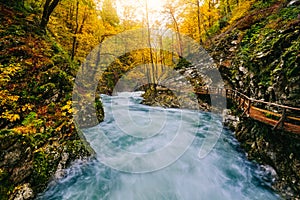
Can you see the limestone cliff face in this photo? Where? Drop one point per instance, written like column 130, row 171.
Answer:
column 260, row 54
column 277, row 149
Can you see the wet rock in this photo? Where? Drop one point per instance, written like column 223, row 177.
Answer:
column 22, row 192
column 277, row 151
column 229, row 119
column 21, row 173
column 243, row 70
column 232, row 49
column 269, row 173
column 11, row 158
column 294, row 3
column 60, row 172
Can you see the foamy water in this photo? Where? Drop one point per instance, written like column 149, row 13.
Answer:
column 131, row 129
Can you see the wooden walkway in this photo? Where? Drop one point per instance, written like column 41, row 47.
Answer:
column 279, row 116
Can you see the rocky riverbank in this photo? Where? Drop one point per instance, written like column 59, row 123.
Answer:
column 168, row 99
column 259, row 55
column 276, row 149
column 37, row 133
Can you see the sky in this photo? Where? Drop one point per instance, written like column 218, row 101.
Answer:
column 155, row 6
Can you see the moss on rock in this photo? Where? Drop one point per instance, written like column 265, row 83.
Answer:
column 279, row 149
column 38, row 135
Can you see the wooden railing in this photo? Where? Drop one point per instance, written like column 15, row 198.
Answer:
column 279, row 116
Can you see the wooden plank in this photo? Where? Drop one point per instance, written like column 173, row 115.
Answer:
column 245, row 103
column 275, row 114
column 267, row 112
column 287, row 126
column 293, row 118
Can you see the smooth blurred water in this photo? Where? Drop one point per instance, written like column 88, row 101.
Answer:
column 224, row 173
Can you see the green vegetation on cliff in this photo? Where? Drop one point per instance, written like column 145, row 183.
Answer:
column 37, row 132
column 259, row 54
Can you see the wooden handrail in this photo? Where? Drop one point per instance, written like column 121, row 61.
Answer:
column 246, row 103
column 255, row 100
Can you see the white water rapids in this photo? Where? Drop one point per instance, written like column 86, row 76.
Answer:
column 225, row 173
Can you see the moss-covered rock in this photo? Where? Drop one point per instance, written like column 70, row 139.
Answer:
column 279, row 149
column 38, row 136
column 259, row 56
column 263, row 59
column 158, row 96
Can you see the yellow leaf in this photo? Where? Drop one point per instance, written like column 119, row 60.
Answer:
column 14, row 117
column 27, row 107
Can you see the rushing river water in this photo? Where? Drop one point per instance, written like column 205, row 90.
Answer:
column 224, row 173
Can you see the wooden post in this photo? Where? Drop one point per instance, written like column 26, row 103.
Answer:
column 247, row 110
column 241, row 102
column 249, row 107
column 235, row 96
column 280, row 123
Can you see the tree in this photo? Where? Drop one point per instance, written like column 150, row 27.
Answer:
column 109, row 14
column 78, row 28
column 129, row 19
column 170, row 9
column 199, row 21
column 199, row 18
column 48, row 9
column 150, row 46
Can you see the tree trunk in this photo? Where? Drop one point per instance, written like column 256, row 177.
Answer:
column 48, row 9
column 150, row 47
column 75, row 32
column 177, row 34
column 78, row 30
column 199, row 21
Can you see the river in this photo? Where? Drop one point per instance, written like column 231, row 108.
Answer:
column 222, row 172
